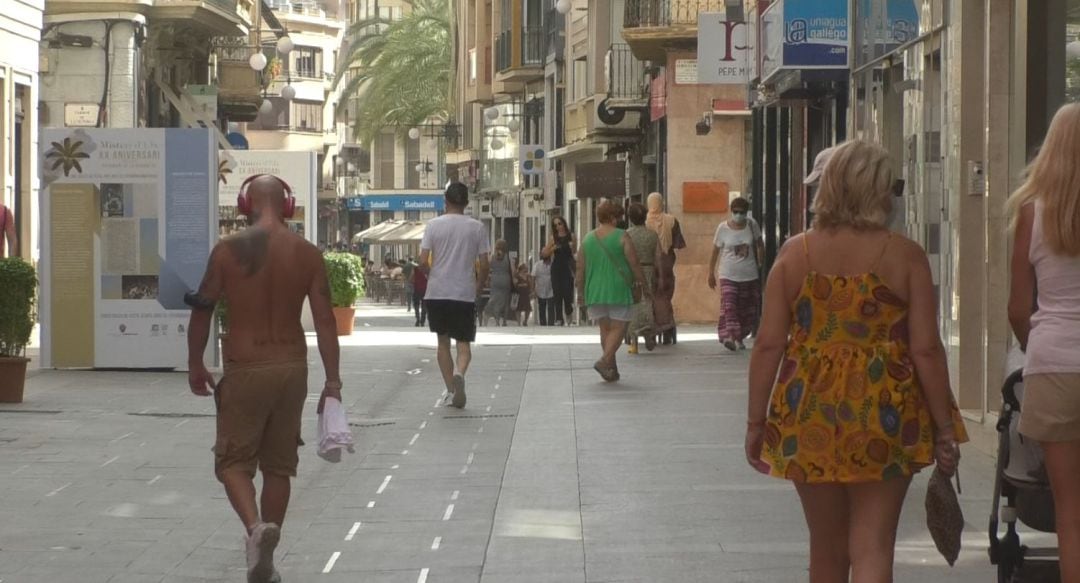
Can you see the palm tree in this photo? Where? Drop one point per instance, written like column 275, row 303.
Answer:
column 399, row 70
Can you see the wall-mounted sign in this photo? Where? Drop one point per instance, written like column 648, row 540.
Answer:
column 532, row 159
column 804, row 34
column 725, row 50
column 397, row 202
column 657, row 98
column 601, row 180
column 81, row 115
column 705, row 197
column 686, row 72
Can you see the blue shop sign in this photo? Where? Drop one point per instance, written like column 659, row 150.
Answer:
column 397, row 202
column 804, row 34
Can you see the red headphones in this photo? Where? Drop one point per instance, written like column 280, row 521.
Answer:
column 243, row 200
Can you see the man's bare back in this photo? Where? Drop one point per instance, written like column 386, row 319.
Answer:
column 265, row 275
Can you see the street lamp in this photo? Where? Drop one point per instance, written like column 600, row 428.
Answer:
column 492, row 113
column 414, row 133
column 513, row 125
column 266, row 107
column 285, row 45
column 288, row 92
column 257, row 61
column 563, row 6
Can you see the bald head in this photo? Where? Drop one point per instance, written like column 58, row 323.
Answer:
column 267, row 196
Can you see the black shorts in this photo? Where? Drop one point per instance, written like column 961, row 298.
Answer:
column 452, row 318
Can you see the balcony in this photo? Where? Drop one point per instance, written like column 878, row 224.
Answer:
column 553, row 39
column 239, row 90
column 216, row 17
column 519, row 55
column 627, row 87
column 651, row 25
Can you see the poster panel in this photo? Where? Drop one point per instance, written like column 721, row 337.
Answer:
column 298, row 169
column 126, row 232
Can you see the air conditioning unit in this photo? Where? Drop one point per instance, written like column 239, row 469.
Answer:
column 605, row 119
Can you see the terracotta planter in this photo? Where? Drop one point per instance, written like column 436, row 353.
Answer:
column 345, row 320
column 12, row 378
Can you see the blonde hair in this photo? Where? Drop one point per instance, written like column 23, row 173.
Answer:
column 855, row 188
column 1053, row 178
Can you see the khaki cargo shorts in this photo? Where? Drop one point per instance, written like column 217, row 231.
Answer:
column 259, row 408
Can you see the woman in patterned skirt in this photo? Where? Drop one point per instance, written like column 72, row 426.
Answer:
column 850, row 352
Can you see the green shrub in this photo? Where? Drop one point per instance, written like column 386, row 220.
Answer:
column 346, row 278
column 18, row 294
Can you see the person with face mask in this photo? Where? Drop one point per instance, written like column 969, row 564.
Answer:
column 739, row 248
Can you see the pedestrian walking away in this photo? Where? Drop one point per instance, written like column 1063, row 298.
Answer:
column 407, row 270
column 738, row 247
column 545, row 295
column 1044, row 306
column 419, row 281
column 523, row 293
column 667, row 228
column 264, row 274
column 455, row 250
column 560, row 249
column 647, row 247
column 850, row 351
column 501, row 282
column 607, row 273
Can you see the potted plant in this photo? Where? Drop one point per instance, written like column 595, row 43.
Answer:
column 346, row 284
column 18, row 281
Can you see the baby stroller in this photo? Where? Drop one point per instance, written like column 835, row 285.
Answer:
column 1021, row 479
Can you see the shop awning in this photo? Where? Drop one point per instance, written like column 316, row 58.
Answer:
column 411, row 232
column 379, row 229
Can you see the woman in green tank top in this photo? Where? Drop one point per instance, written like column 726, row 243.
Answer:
column 608, row 269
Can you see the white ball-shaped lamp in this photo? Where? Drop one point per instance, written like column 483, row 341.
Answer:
column 266, row 107
column 514, row 125
column 492, row 113
column 288, row 92
column 563, row 6
column 1072, row 50
column 414, row 134
column 257, row 61
column 496, row 144
column 285, row 45
column 419, row 167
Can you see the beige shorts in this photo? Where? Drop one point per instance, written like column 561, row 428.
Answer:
column 259, row 408
column 1051, row 407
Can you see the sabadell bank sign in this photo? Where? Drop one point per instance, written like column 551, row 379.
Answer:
column 395, row 202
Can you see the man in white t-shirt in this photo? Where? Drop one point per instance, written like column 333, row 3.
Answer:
column 454, row 251
column 738, row 246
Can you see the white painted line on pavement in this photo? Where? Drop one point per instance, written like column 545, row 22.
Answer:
column 475, row 445
column 145, row 411
column 181, row 424
column 124, row 436
column 436, row 543
column 430, row 412
column 425, row 360
column 385, row 483
column 500, row 377
column 455, row 495
column 404, row 452
column 496, row 386
column 492, row 395
column 15, row 472
column 471, row 457
column 464, row 470
column 423, row 425
column 412, row 441
column 154, row 480
column 110, row 461
column 488, row 410
column 423, row 575
column 395, row 466
column 352, row 531
column 330, row 563
column 481, row 430
column 58, row 490
column 449, row 512
column 413, row 372
column 371, row 504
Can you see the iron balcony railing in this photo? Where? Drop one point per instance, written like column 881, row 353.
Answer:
column 532, row 46
column 626, row 74
column 553, row 39
column 664, row 13
column 503, row 51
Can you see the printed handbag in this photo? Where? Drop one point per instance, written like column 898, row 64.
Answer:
column 944, row 518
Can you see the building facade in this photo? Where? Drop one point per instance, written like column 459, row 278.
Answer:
column 20, row 33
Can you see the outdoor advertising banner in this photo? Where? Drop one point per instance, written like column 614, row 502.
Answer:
column 297, row 169
column 804, row 34
column 126, row 232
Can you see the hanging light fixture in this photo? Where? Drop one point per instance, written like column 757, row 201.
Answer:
column 496, row 144
column 419, row 167
column 288, row 92
column 492, row 113
column 257, row 61
column 563, row 6
column 514, row 125
column 414, row 134
column 1072, row 50
column 285, row 45
column 266, row 107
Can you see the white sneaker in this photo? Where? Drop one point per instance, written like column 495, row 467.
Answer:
column 260, row 552
column 459, row 391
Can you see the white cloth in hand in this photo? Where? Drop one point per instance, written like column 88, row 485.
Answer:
column 334, row 432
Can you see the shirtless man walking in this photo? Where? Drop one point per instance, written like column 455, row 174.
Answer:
column 455, row 250
column 263, row 273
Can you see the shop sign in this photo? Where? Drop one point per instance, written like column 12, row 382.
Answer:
column 805, row 34
column 884, row 25
column 81, row 115
column 658, row 98
column 532, row 159
column 725, row 50
column 705, row 197
column 601, row 180
column 396, row 202
column 686, row 72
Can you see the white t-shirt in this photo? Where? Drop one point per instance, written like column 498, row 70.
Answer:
column 542, row 276
column 737, row 262
column 455, row 242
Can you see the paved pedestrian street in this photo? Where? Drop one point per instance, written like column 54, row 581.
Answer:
column 547, row 475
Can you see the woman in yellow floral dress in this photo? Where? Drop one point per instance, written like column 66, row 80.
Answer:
column 850, row 352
